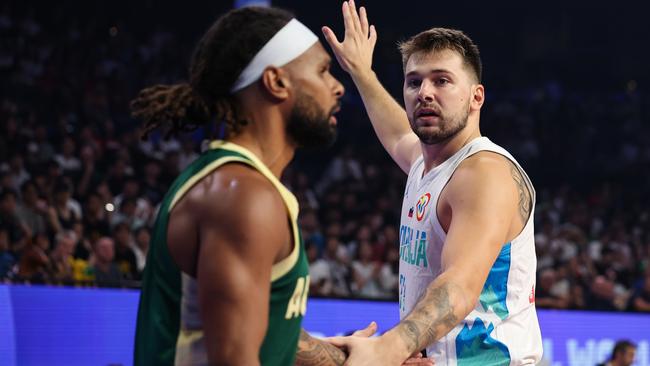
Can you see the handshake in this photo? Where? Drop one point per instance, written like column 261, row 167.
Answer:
column 363, row 349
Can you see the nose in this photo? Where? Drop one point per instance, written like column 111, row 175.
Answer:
column 339, row 90
column 427, row 92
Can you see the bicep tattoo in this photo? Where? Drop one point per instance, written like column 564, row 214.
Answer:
column 525, row 201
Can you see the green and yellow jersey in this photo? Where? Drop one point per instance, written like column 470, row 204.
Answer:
column 169, row 328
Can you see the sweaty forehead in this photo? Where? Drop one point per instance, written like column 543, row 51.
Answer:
column 424, row 62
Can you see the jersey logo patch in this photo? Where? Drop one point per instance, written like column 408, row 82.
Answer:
column 411, row 212
column 422, row 206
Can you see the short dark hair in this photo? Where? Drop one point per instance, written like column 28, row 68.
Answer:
column 220, row 56
column 438, row 39
column 621, row 346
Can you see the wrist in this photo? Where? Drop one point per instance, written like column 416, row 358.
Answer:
column 363, row 76
column 397, row 350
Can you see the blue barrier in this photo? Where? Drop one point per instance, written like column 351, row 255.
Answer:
column 70, row 326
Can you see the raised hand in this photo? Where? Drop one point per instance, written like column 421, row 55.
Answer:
column 354, row 54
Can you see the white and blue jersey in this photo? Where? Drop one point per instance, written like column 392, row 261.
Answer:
column 503, row 328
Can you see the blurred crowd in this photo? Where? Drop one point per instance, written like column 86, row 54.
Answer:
column 79, row 190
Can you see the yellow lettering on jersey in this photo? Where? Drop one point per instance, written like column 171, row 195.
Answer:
column 305, row 294
column 298, row 303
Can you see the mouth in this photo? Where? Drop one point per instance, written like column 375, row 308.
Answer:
column 332, row 118
column 427, row 116
column 427, row 113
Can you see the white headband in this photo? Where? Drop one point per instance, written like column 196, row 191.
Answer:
column 290, row 42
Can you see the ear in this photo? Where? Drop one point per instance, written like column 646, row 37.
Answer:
column 478, row 97
column 276, row 82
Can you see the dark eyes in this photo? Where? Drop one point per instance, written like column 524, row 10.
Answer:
column 415, row 83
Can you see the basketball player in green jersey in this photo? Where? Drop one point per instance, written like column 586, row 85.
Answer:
column 227, row 277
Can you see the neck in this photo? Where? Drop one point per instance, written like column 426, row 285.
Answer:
column 266, row 136
column 436, row 154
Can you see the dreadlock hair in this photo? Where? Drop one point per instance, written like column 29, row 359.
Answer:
column 219, row 58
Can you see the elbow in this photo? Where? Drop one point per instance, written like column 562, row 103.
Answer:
column 464, row 294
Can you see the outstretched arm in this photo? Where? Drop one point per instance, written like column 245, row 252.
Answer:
column 388, row 118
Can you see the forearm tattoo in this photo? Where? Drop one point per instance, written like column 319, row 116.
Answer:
column 314, row 352
column 525, row 201
column 432, row 318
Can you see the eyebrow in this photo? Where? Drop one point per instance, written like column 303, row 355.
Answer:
column 434, row 71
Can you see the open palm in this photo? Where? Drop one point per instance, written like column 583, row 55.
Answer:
column 354, row 54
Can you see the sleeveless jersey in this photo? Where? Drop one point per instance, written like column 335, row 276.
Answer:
column 503, row 328
column 169, row 328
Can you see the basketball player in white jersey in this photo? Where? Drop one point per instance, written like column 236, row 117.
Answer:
column 467, row 268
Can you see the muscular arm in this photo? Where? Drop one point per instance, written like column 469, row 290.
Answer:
column 388, row 118
column 481, row 186
column 314, row 352
column 242, row 229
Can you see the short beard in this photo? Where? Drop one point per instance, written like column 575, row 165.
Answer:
column 309, row 125
column 448, row 128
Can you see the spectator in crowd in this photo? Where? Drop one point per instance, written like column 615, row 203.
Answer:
column 43, row 150
column 640, row 301
column 127, row 214
column 623, row 354
column 7, row 259
column 320, row 277
column 141, row 247
column 32, row 210
column 389, row 273
column 124, row 256
column 67, row 159
column 18, row 231
column 336, row 257
column 187, row 154
column 64, row 211
column 310, row 228
column 83, row 248
column 365, row 273
column 61, row 269
column 17, row 172
column 545, row 296
column 140, row 212
column 96, row 217
column 601, row 294
column 104, row 268
column 33, row 264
